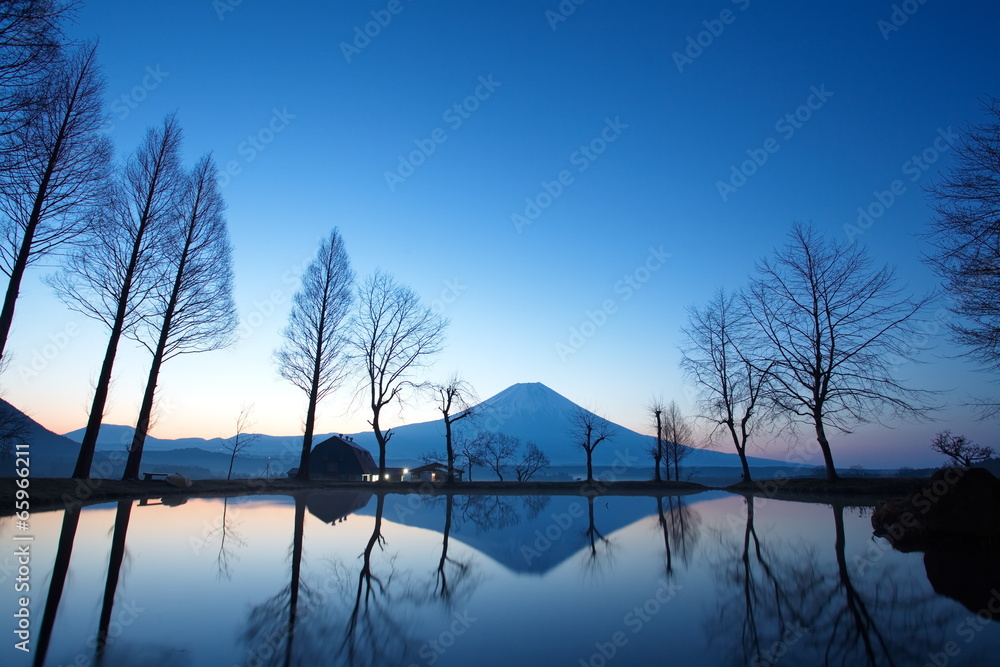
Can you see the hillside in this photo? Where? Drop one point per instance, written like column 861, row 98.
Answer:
column 51, row 455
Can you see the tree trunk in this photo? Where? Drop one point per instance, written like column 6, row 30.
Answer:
column 145, row 414
column 450, row 477
column 743, row 462
column 85, row 459
column 231, row 461
column 824, row 445
column 24, row 252
column 307, row 438
column 659, row 449
column 381, row 444
column 590, row 467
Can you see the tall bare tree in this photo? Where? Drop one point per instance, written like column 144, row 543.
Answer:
column 312, row 356
column 676, row 433
column 240, row 442
column 111, row 279
column 194, row 311
column 965, row 234
column 55, row 172
column 589, row 430
column 455, row 400
column 31, row 41
column 833, row 329
column 719, row 359
column 394, row 335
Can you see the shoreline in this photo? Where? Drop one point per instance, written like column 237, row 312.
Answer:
column 56, row 493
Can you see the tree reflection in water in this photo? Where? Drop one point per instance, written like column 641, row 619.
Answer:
column 453, row 579
column 680, row 525
column 781, row 599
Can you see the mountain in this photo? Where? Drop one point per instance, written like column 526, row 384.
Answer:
column 49, row 454
column 117, row 437
column 530, row 411
column 534, row 412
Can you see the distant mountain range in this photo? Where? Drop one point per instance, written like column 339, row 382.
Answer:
column 530, row 411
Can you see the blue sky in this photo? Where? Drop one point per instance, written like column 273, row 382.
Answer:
column 619, row 123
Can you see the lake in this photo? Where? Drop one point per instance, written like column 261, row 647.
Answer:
column 346, row 578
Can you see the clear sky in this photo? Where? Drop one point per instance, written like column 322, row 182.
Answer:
column 528, row 166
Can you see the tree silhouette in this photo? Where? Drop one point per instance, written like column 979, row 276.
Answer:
column 964, row 235
column 32, row 41
column 54, row 174
column 832, row 329
column 533, row 460
column 393, row 336
column 676, row 432
column 589, row 430
column 719, row 359
column 312, row 355
column 240, row 442
column 960, row 449
column 121, row 268
column 194, row 311
column 455, row 400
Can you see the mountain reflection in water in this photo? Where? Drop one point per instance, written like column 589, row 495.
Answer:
column 347, row 578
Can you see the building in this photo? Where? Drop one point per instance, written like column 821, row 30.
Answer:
column 434, row 472
column 340, row 458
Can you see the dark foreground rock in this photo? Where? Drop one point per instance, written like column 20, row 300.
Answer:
column 956, row 507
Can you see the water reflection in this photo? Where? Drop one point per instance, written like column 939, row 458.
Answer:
column 115, row 561
column 786, row 599
column 67, row 534
column 679, row 524
column 449, row 583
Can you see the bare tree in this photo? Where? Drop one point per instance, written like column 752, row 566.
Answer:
column 676, row 432
column 31, row 41
column 122, row 267
column 533, row 460
column 240, row 442
column 590, row 430
column 195, row 312
column 833, row 328
column 394, row 334
column 498, row 451
column 56, row 175
column 962, row 450
column 473, row 449
column 455, row 400
column 719, row 359
column 964, row 235
column 655, row 409
column 313, row 354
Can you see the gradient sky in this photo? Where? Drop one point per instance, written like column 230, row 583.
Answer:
column 310, row 120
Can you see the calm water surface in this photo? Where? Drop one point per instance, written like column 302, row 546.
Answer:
column 352, row 578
